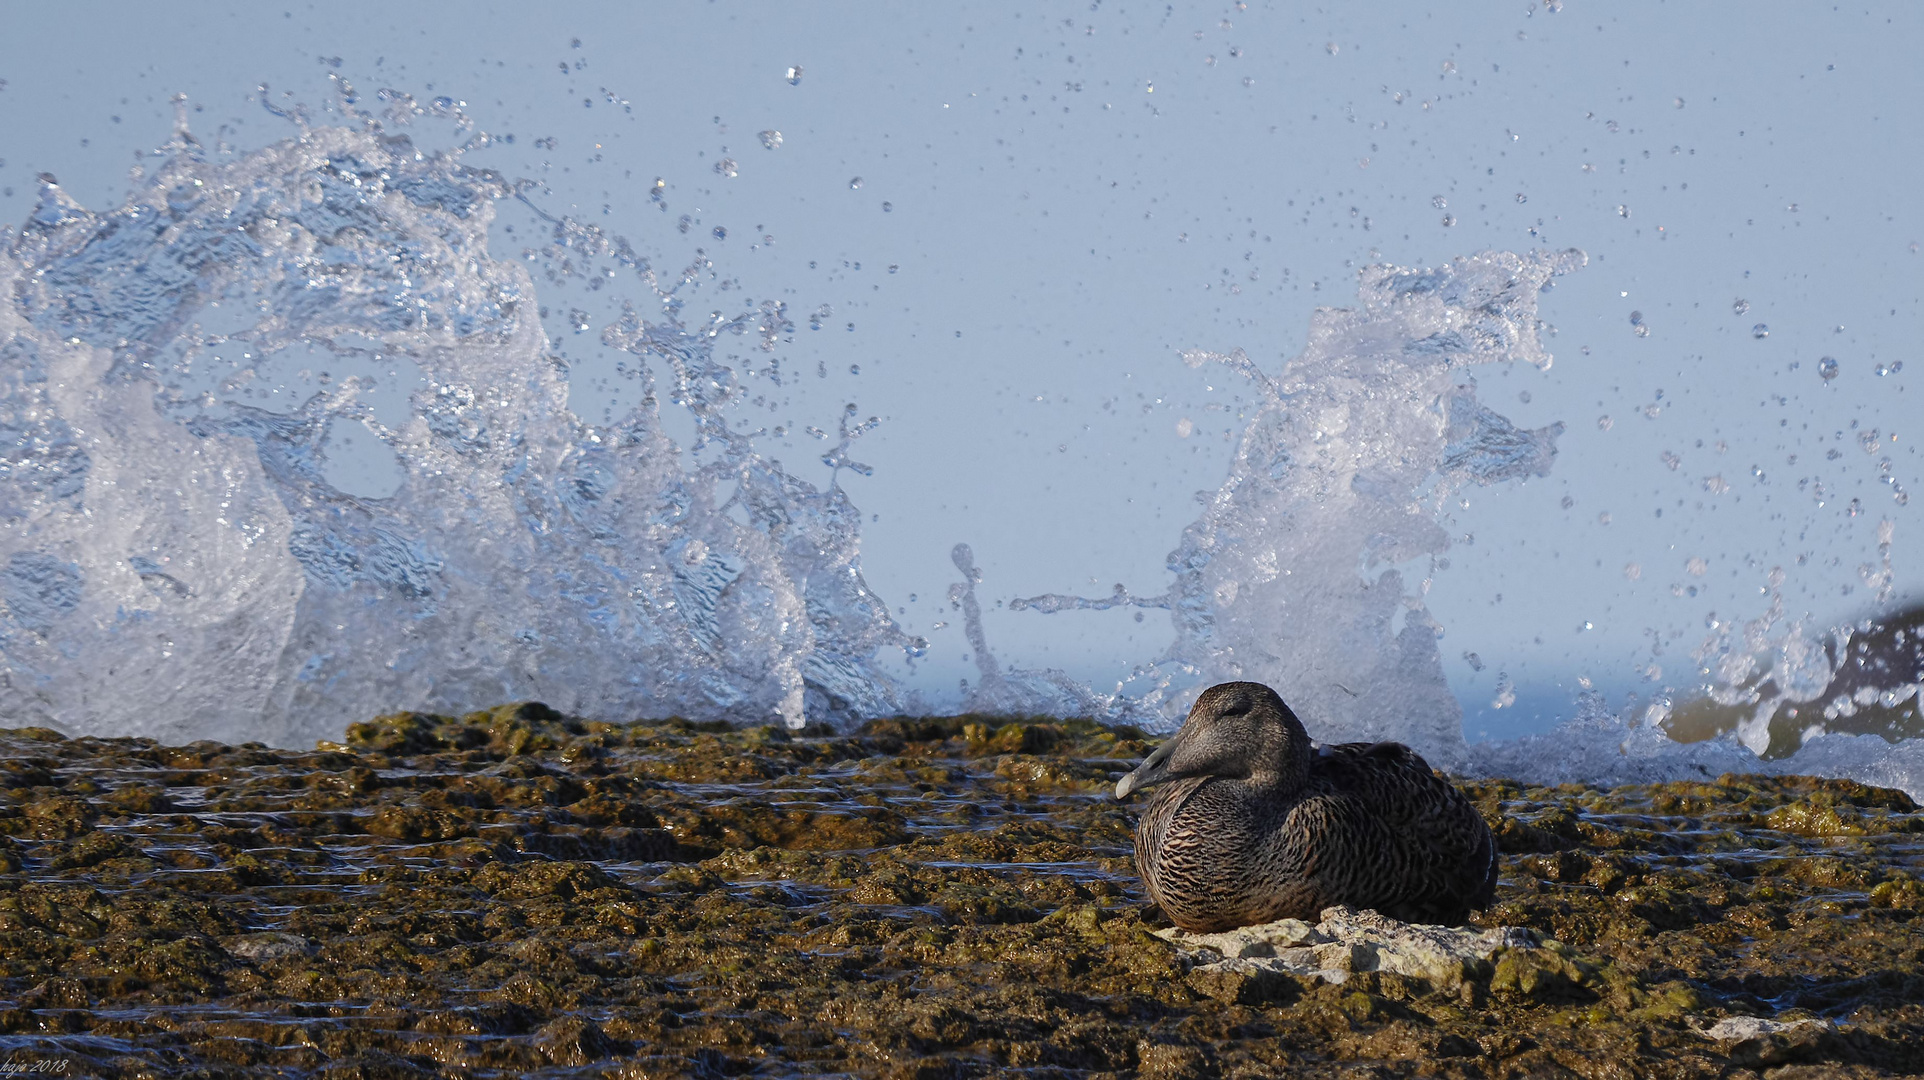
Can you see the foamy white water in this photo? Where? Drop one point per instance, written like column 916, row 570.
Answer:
column 179, row 564
column 185, row 559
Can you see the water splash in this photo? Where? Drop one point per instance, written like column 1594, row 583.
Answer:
column 1298, row 573
column 183, row 553
column 179, row 563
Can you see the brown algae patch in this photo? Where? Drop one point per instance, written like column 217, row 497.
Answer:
column 517, row 891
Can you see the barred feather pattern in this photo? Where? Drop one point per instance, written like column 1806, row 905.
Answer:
column 1369, row 825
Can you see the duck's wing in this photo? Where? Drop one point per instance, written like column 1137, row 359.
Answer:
column 1445, row 857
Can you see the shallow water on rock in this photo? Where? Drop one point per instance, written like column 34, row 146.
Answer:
column 518, row 892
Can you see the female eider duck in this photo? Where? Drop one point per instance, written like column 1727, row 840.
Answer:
column 1255, row 825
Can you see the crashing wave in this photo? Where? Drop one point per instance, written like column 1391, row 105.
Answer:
column 178, row 561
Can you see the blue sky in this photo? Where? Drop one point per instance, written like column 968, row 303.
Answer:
column 1056, row 200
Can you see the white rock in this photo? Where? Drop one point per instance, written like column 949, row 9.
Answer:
column 1741, row 1028
column 1346, row 941
column 266, row 946
column 1249, row 941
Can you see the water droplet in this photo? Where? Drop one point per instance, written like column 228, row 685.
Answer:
column 720, row 233
column 1568, row 502
column 1603, row 518
column 888, row 207
column 1248, row 80
column 794, row 75
column 772, row 139
column 1679, row 103
column 1185, row 428
column 1604, row 423
column 1671, row 460
column 727, row 167
column 1760, row 331
column 1448, row 220
column 695, row 553
column 1827, row 368
column 1439, row 202
column 1522, row 198
column 855, row 369
column 1696, row 567
column 1505, row 692
column 1855, row 508
column 1740, row 305
column 854, row 183
column 1332, row 48
column 1623, row 211
column 1209, row 61
column 1632, row 571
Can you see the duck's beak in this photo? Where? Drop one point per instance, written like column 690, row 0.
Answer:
column 1153, row 770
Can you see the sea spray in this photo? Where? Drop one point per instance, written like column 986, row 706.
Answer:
column 188, row 382
column 1308, row 567
column 176, row 560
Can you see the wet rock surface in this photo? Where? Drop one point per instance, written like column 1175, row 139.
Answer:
column 516, row 892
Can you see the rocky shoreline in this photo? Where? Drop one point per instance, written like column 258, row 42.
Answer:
column 516, row 892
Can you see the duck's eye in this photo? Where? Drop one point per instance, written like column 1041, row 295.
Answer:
column 1234, row 708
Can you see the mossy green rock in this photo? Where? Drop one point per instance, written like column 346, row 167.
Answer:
column 517, row 892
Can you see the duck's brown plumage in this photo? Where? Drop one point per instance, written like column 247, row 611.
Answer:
column 1253, row 824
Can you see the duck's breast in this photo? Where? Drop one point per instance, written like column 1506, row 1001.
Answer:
column 1210, row 857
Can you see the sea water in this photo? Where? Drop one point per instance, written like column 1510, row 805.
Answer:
column 284, row 443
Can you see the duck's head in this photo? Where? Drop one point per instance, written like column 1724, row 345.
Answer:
column 1238, row 730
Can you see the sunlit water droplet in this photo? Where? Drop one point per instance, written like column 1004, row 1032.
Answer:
column 1827, row 368
column 771, row 139
column 794, row 75
column 1760, row 331
column 1740, row 305
column 1505, row 692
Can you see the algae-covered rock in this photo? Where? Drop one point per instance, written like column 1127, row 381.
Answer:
column 518, row 892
